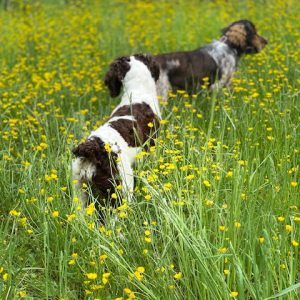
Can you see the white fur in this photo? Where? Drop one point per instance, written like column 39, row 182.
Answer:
column 163, row 85
column 173, row 63
column 138, row 87
column 83, row 171
column 226, row 59
column 130, row 118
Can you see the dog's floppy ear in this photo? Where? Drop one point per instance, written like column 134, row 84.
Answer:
column 225, row 29
column 150, row 62
column 92, row 149
column 115, row 75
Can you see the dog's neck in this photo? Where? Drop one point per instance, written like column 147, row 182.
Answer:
column 224, row 39
column 219, row 49
column 140, row 89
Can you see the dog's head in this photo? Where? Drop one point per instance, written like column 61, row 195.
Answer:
column 96, row 163
column 150, row 63
column 134, row 66
column 242, row 36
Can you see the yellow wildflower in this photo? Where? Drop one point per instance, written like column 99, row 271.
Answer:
column 178, row 276
column 55, row 214
column 90, row 209
column 22, row 294
column 288, row 228
column 107, row 148
column 206, row 183
column 234, row 294
column 5, row 276
column 91, row 276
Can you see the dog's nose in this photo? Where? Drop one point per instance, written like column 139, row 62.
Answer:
column 263, row 40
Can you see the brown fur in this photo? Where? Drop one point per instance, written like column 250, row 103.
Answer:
column 139, row 132
column 258, row 42
column 119, row 68
column 128, row 130
column 243, row 37
column 150, row 63
column 93, row 150
column 236, row 35
column 115, row 75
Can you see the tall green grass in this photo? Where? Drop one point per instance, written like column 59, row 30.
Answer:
column 215, row 214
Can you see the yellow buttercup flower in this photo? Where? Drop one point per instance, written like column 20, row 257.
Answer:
column 234, row 294
column 5, row 276
column 55, row 214
column 90, row 209
column 107, row 148
column 22, row 294
column 178, row 276
column 288, row 228
column 91, row 276
column 206, row 183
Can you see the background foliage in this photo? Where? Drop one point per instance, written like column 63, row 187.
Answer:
column 216, row 208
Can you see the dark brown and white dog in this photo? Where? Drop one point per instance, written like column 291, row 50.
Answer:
column 106, row 157
column 216, row 61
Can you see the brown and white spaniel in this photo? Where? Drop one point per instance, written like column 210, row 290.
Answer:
column 217, row 61
column 105, row 159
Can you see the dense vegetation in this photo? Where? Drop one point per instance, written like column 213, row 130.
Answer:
column 216, row 212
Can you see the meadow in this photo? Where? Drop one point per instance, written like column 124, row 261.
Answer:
column 216, row 208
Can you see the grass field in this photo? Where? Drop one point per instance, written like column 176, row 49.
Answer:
column 216, row 212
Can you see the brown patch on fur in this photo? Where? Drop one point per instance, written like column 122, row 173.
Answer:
column 119, row 67
column 129, row 131
column 192, row 68
column 115, row 75
column 138, row 132
column 237, row 35
column 91, row 149
column 149, row 61
column 105, row 163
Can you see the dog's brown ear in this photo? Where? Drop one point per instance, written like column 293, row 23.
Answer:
column 242, row 36
column 91, row 149
column 150, row 62
column 115, row 75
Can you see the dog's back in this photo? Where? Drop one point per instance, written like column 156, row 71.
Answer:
column 186, row 70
